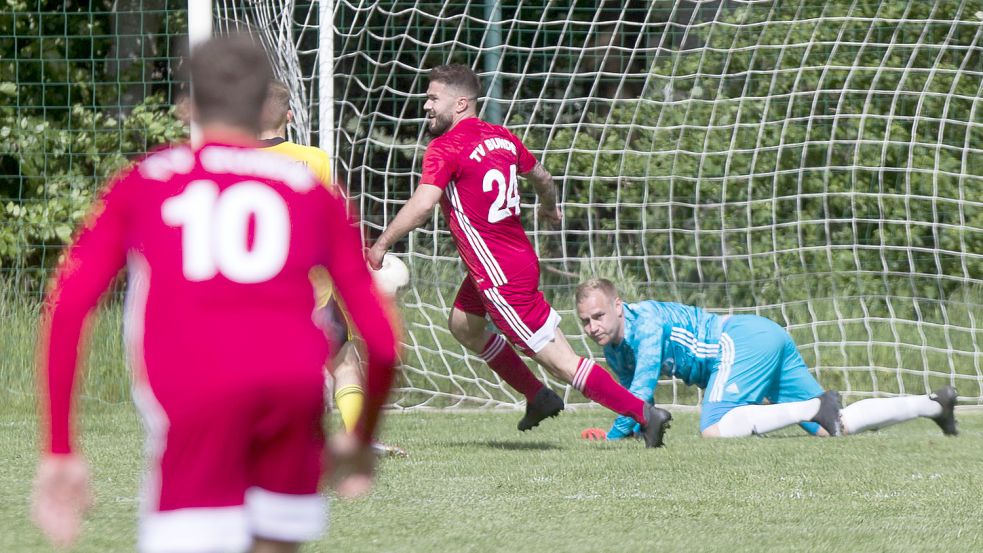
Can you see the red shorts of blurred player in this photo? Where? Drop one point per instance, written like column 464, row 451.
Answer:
column 518, row 308
column 230, row 459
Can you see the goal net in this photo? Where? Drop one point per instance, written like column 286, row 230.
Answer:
column 818, row 163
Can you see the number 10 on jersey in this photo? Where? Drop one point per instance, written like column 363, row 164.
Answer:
column 508, row 194
column 215, row 230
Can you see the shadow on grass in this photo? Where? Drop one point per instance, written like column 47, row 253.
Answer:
column 508, row 445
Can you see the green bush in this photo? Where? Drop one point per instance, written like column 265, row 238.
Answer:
column 61, row 169
column 63, row 127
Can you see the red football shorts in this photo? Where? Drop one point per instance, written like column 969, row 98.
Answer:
column 518, row 309
column 233, row 458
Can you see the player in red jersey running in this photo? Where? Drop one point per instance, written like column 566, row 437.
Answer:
column 227, row 360
column 471, row 168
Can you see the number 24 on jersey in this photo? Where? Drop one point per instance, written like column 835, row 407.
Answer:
column 508, row 194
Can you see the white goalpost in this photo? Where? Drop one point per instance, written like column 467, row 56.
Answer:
column 819, row 163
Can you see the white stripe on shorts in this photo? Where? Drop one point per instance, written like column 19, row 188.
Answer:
column 723, row 372
column 200, row 530
column 546, row 333
column 509, row 313
column 286, row 517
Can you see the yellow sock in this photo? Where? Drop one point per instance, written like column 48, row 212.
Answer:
column 349, row 401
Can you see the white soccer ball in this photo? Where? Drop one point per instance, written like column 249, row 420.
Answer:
column 392, row 276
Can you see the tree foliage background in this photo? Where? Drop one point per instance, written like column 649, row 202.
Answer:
column 759, row 144
column 752, row 153
column 84, row 87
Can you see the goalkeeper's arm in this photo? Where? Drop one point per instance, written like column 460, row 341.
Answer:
column 648, row 368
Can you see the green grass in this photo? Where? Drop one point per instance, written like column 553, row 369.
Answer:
column 850, row 350
column 473, row 483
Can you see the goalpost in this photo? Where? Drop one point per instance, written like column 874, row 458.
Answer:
column 819, row 163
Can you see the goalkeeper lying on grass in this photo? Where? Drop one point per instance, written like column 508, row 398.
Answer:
column 740, row 361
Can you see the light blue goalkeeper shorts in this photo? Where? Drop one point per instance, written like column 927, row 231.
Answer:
column 758, row 361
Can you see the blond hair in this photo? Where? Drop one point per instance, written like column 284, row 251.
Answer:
column 276, row 107
column 602, row 284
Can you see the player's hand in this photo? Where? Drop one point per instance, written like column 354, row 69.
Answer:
column 551, row 215
column 353, row 466
column 374, row 257
column 594, row 434
column 61, row 497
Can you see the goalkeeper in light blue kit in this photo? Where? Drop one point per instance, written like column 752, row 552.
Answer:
column 740, row 361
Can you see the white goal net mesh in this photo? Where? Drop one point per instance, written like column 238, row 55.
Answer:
column 818, row 163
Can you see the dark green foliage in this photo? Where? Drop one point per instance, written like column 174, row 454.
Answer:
column 65, row 126
column 770, row 165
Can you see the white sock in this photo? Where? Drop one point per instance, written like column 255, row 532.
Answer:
column 882, row 412
column 759, row 419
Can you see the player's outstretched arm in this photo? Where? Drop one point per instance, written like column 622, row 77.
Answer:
column 417, row 210
column 61, row 488
column 542, row 182
column 85, row 271
column 648, row 368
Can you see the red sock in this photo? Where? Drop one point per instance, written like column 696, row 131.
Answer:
column 599, row 386
column 507, row 364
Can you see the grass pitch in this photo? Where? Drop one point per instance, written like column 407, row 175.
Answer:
column 473, row 483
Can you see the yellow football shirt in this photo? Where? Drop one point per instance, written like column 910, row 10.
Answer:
column 318, row 162
column 315, row 159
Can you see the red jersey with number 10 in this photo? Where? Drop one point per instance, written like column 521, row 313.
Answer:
column 477, row 164
column 219, row 243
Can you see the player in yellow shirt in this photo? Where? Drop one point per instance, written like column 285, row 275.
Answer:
column 347, row 374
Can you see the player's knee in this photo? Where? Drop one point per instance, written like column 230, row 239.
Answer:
column 463, row 332
column 559, row 359
column 712, row 431
column 558, row 371
column 347, row 366
column 457, row 324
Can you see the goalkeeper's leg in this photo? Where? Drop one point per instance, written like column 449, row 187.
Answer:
column 749, row 420
column 759, row 361
column 871, row 414
column 349, row 394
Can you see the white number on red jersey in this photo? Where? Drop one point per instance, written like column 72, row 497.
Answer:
column 215, row 230
column 508, row 194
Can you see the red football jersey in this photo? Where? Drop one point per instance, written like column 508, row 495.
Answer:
column 477, row 164
column 218, row 243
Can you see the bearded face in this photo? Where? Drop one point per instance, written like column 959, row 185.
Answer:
column 438, row 123
column 440, row 106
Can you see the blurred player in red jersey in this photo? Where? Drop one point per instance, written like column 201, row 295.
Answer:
column 471, row 168
column 227, row 360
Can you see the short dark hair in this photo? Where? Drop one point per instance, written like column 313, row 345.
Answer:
column 230, row 76
column 458, row 76
column 276, row 107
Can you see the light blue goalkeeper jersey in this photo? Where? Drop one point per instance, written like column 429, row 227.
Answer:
column 662, row 338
